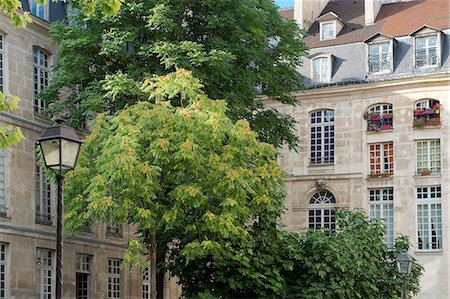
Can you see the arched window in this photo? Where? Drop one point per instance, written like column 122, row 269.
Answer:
column 145, row 284
column 321, row 211
column 427, row 112
column 379, row 117
column 321, row 69
column 322, row 137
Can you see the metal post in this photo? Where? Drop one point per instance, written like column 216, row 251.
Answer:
column 59, row 236
column 404, row 287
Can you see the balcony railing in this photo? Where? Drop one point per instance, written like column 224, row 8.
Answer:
column 378, row 66
column 424, row 58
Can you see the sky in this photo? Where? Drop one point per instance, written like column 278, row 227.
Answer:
column 284, row 3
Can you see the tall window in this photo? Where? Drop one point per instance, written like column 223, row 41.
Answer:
column 321, row 211
column 429, row 218
column 428, row 156
column 3, row 271
column 146, row 284
column 327, row 30
column 44, row 273
column 39, row 10
column 379, row 117
column 40, row 77
column 381, row 206
column 3, row 204
column 322, row 137
column 381, row 158
column 321, row 69
column 426, row 51
column 427, row 113
column 2, row 61
column 113, row 278
column 83, row 276
column 379, row 58
column 43, row 201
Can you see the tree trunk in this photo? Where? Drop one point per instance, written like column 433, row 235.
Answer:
column 153, row 266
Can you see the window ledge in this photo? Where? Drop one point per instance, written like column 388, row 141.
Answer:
column 381, row 131
column 433, row 175
column 380, row 178
column 428, row 251
column 426, row 127
column 321, row 165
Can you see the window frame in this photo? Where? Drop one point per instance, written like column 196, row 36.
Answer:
column 383, row 123
column 41, row 277
column 4, row 207
column 3, row 61
column 429, row 202
column 328, row 73
column 112, row 276
column 382, row 156
column 145, row 284
column 322, row 24
column 83, row 267
column 41, row 77
column 428, row 160
column 43, row 207
column 385, row 202
column 437, row 49
column 4, row 270
column 389, row 60
column 325, row 127
column 322, row 203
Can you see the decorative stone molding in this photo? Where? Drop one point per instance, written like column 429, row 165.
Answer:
column 321, row 184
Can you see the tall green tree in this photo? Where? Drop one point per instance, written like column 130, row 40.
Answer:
column 9, row 135
column 185, row 174
column 239, row 50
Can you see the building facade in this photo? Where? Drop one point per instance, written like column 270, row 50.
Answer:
column 92, row 260
column 374, row 124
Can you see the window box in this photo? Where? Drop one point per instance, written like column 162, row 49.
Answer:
column 386, row 174
column 386, row 127
column 374, row 175
column 387, row 116
column 425, row 171
column 427, row 113
column 379, row 117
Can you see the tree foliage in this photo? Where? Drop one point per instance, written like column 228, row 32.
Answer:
column 238, row 50
column 353, row 262
column 205, row 184
column 9, row 135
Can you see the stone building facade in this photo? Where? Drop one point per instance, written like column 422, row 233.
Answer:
column 92, row 260
column 374, row 124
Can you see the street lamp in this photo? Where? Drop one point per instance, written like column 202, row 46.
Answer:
column 60, row 146
column 404, row 263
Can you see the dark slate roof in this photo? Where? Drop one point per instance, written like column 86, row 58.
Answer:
column 57, row 10
column 397, row 19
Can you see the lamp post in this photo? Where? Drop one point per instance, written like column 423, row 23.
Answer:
column 404, row 264
column 60, row 146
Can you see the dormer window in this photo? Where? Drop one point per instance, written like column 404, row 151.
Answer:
column 39, row 10
column 379, row 53
column 327, row 30
column 321, row 69
column 426, row 51
column 427, row 47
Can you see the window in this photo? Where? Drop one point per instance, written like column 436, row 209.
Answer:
column 321, row 69
column 322, row 137
column 428, row 153
column 83, row 276
column 40, row 77
column 113, row 229
column 327, row 30
column 3, row 271
column 39, row 10
column 2, row 61
column 379, row 117
column 381, row 158
column 321, row 211
column 427, row 113
column 146, row 284
column 379, row 58
column 43, row 200
column 113, row 278
column 426, row 51
column 381, row 206
column 429, row 218
column 3, row 204
column 44, row 273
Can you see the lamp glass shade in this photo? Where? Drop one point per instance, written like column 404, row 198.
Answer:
column 404, row 263
column 69, row 153
column 50, row 150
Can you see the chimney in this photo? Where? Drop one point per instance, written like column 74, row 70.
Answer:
column 307, row 11
column 372, row 7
